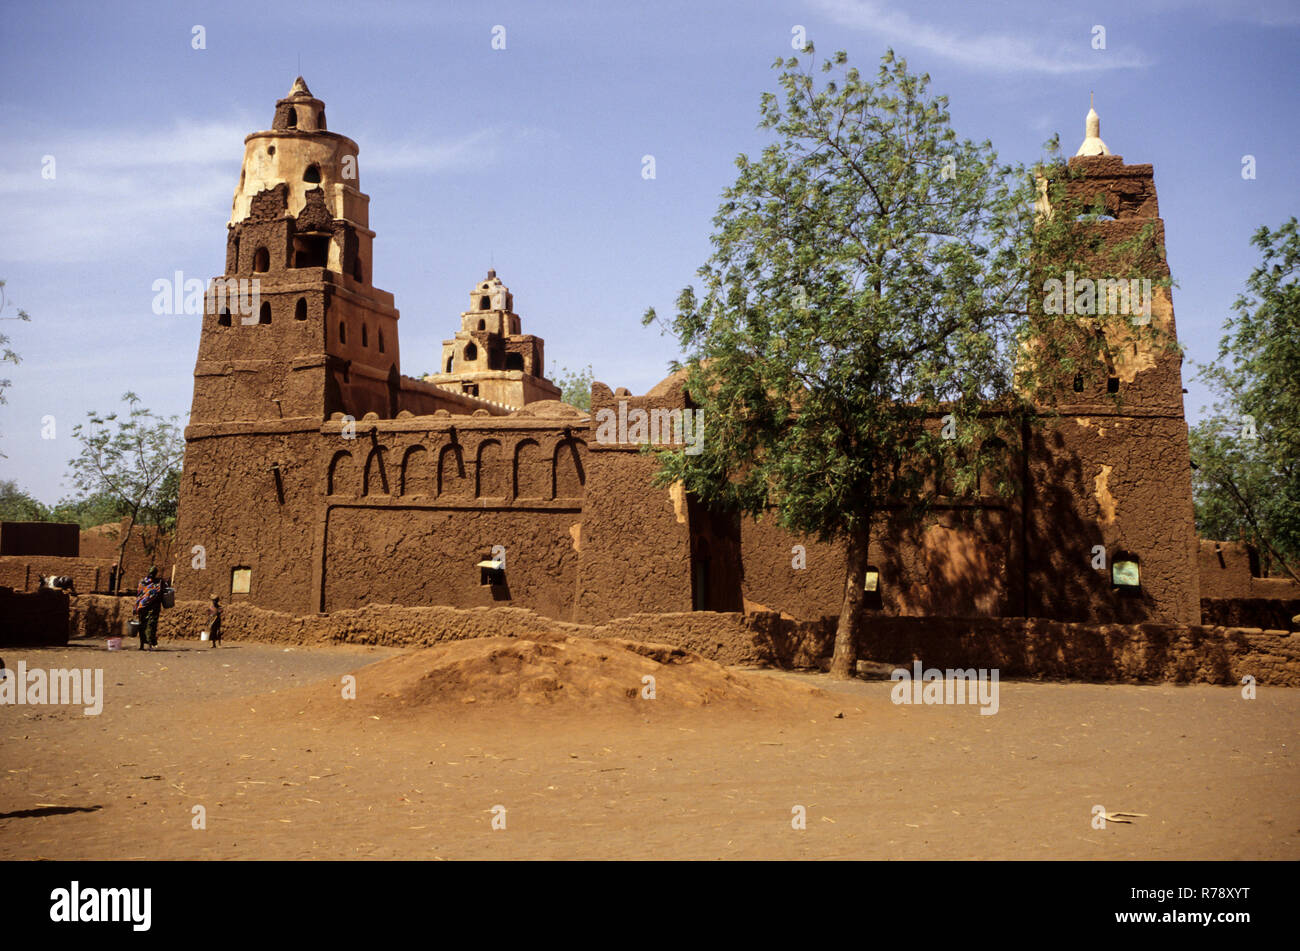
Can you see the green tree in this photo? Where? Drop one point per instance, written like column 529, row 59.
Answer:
column 87, row 511
column 17, row 506
column 1247, row 451
column 871, row 296
column 575, row 386
column 129, row 460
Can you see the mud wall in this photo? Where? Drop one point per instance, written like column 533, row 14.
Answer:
column 33, row 618
column 101, row 615
column 24, row 574
column 145, row 548
column 249, row 499
column 42, row 539
column 634, row 543
column 427, row 556
column 1121, row 483
column 1231, row 570
column 1145, row 653
column 1267, row 613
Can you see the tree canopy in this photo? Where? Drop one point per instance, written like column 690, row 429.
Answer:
column 870, row 328
column 1247, row 451
column 575, row 385
column 134, row 460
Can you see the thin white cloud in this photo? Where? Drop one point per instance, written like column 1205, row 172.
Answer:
column 472, row 150
column 988, row 51
column 139, row 188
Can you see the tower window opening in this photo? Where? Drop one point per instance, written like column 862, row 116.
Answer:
column 471, row 353
column 312, row 174
column 311, row 250
column 223, row 318
column 343, row 332
column 381, row 341
column 482, row 325
column 300, row 309
column 357, row 274
column 1112, row 384
column 293, row 118
column 484, row 303
column 365, row 336
column 261, row 260
column 449, row 361
column 320, row 120
column 514, row 361
column 264, row 315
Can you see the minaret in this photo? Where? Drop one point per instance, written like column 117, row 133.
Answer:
column 489, row 357
column 311, row 335
column 1111, row 468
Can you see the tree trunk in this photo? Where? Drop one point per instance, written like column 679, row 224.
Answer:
column 844, row 663
column 121, row 552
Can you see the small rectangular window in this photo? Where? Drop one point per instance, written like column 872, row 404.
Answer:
column 491, row 573
column 241, row 580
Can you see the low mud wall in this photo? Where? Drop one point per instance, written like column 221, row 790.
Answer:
column 1017, row 647
column 1140, row 653
column 33, row 618
column 1265, row 613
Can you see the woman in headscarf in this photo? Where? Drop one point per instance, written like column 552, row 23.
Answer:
column 148, row 605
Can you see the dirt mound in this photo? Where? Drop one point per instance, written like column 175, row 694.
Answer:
column 552, row 670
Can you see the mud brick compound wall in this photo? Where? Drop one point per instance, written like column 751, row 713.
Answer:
column 1027, row 648
column 33, row 618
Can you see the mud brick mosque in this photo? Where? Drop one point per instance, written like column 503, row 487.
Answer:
column 317, row 477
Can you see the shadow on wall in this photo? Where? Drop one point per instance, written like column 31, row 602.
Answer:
column 1061, row 536
column 953, row 564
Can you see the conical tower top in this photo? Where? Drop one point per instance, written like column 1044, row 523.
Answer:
column 299, row 111
column 1092, row 143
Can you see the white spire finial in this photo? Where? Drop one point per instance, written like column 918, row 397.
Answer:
column 1092, row 143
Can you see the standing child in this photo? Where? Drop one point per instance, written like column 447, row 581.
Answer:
column 214, row 621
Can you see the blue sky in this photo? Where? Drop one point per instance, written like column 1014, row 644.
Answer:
column 529, row 158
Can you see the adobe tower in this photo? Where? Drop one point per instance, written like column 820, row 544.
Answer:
column 1121, row 439
column 323, row 338
column 489, row 357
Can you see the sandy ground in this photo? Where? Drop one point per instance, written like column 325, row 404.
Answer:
column 253, row 735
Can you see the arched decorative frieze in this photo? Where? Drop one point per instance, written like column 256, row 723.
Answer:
column 570, row 469
column 417, row 479
column 343, row 474
column 532, row 471
column 376, row 482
